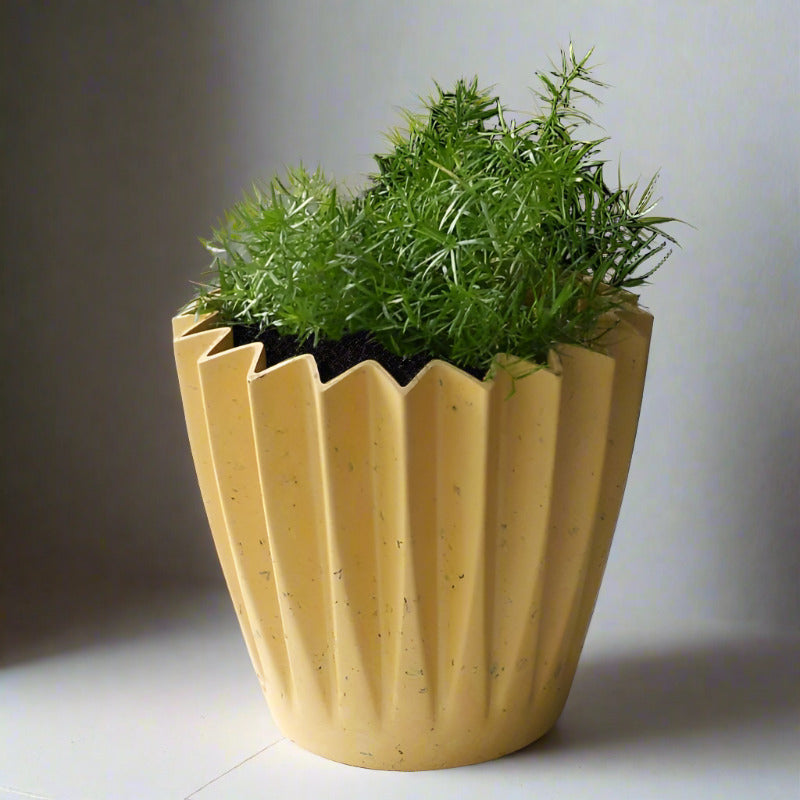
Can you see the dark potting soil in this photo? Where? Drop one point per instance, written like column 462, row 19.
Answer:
column 335, row 357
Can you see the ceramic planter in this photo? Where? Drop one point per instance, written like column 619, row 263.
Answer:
column 414, row 568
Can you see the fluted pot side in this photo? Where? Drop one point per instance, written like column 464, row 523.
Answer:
column 414, row 568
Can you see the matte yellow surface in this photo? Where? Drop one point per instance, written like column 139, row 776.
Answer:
column 414, row 568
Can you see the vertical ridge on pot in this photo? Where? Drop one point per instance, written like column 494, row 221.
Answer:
column 389, row 491
column 193, row 341
column 525, row 414
column 457, row 545
column 286, row 427
column 628, row 344
column 390, row 520
column 223, row 378
column 586, row 392
column 352, row 417
column 418, row 675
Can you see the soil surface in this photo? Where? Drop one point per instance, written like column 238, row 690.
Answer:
column 336, row 357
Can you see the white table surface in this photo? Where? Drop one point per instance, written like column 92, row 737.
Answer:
column 155, row 698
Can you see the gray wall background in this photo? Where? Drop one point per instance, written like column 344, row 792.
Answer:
column 128, row 128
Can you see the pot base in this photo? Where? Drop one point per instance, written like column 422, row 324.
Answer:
column 426, row 747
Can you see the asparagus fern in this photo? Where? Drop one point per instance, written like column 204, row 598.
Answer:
column 474, row 236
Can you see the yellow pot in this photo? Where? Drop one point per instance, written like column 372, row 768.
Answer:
column 414, row 568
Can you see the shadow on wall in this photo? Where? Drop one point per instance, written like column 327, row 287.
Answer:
column 117, row 156
column 769, row 519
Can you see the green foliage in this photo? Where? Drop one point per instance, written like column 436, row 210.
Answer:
column 475, row 236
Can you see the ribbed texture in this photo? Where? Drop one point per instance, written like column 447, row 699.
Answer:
column 414, row 568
